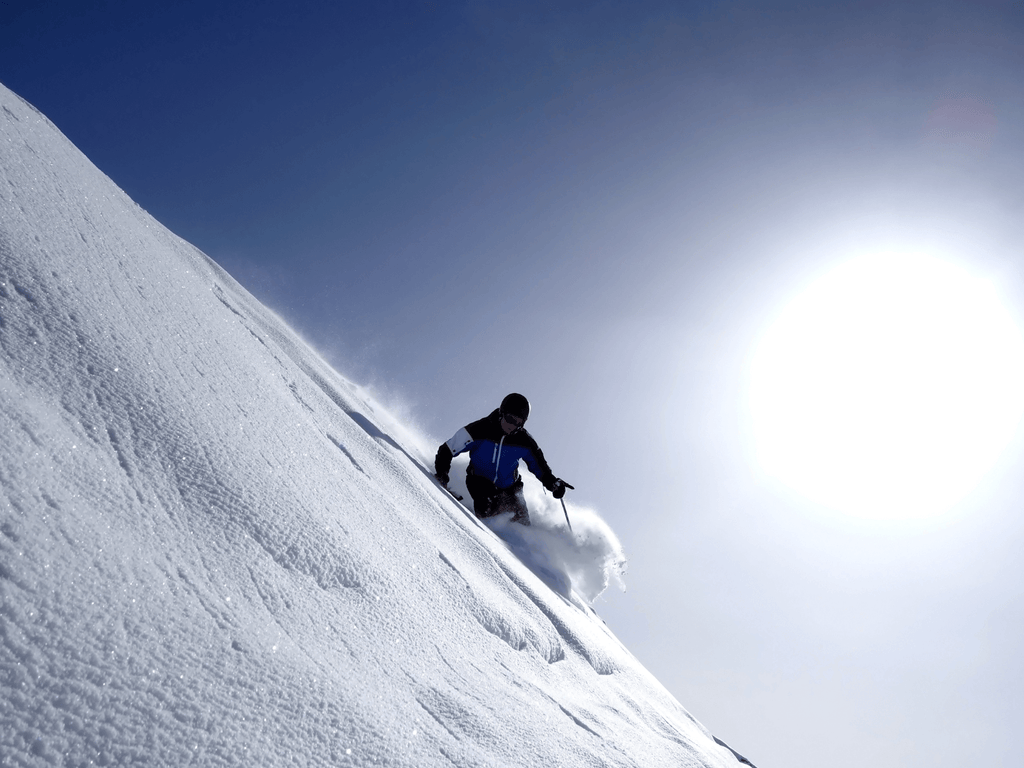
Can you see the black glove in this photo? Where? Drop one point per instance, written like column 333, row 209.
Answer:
column 558, row 488
column 442, row 479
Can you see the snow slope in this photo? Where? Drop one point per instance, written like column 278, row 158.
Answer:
column 215, row 550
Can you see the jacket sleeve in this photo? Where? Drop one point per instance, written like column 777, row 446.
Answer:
column 448, row 450
column 538, row 465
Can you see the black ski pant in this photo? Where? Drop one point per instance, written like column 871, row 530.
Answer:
column 489, row 500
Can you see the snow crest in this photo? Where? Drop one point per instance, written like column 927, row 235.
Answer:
column 216, row 550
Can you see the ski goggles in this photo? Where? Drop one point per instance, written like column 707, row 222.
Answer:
column 515, row 421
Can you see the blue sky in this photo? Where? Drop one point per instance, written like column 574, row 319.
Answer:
column 602, row 205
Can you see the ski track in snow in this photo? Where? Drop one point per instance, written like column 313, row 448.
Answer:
column 215, row 550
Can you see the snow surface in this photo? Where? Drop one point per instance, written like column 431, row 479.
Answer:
column 215, row 550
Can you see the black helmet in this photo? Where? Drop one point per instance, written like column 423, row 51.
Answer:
column 516, row 405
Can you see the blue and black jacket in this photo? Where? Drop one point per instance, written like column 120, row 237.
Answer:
column 493, row 455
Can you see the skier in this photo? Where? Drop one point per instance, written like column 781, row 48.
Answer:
column 496, row 443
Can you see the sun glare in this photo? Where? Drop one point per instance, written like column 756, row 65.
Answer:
column 889, row 388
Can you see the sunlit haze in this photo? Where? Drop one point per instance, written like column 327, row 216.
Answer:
column 889, row 387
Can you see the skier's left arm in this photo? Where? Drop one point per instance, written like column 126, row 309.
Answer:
column 538, row 465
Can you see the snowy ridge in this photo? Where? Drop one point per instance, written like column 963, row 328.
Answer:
column 215, row 550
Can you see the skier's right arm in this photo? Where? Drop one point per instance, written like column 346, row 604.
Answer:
column 447, row 451
column 443, row 463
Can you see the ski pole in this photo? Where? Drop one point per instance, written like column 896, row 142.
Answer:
column 566, row 514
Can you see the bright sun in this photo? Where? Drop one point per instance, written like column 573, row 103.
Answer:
column 889, row 388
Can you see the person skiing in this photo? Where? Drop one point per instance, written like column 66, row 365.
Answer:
column 496, row 443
